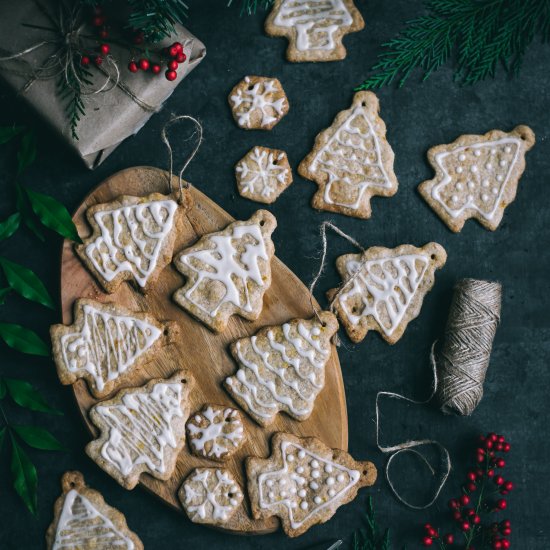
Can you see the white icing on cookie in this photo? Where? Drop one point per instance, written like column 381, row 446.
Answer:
column 483, row 174
column 107, row 345
column 210, row 495
column 315, row 21
column 282, row 370
column 256, row 97
column 385, row 287
column 215, row 432
column 322, row 495
column 131, row 239
column 352, row 158
column 264, row 176
column 140, row 427
column 82, row 525
column 226, row 264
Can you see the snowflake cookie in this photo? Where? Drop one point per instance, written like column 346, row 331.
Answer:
column 314, row 28
column 132, row 239
column 477, row 176
column 210, row 495
column 263, row 174
column 304, row 482
column 351, row 160
column 142, row 429
column 228, row 272
column 258, row 102
column 83, row 520
column 216, row 432
column 282, row 368
column 383, row 289
column 106, row 344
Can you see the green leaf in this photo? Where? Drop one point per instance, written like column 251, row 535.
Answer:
column 26, row 396
column 38, row 438
column 25, row 478
column 53, row 215
column 26, row 211
column 3, row 293
column 23, row 339
column 9, row 132
column 25, row 282
column 9, row 226
column 26, row 153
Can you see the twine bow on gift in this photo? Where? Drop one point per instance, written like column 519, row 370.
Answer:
column 68, row 41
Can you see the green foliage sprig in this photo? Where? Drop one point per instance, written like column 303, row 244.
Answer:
column 156, row 18
column 250, row 7
column 36, row 211
column 480, row 35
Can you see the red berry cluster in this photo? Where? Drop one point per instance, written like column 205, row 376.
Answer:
column 481, row 496
column 98, row 21
column 173, row 55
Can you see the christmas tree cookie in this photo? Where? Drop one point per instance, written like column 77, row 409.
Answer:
column 383, row 289
column 314, row 28
column 258, row 103
column 106, row 344
column 142, row 429
column 132, row 239
column 210, row 495
column 263, row 174
column 304, row 482
column 352, row 161
column 282, row 368
column 228, row 272
column 84, row 521
column 477, row 176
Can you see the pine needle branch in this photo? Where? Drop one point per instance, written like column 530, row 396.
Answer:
column 156, row 18
column 480, row 35
column 249, row 7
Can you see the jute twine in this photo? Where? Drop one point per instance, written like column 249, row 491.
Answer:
column 464, row 356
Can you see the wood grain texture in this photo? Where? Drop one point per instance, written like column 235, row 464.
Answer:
column 204, row 353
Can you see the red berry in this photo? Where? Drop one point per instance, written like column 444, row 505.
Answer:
column 498, row 446
column 480, row 458
column 453, row 504
column 501, row 439
column 132, row 67
column 181, row 57
column 471, row 487
column 84, row 60
column 171, row 75
column 506, row 531
column 476, row 520
column 471, row 476
column 490, row 473
column 506, row 523
column 471, row 512
column 505, row 544
column 98, row 21
column 427, row 541
column 493, row 437
column 464, row 500
column 173, row 51
column 178, row 46
column 499, row 480
column 144, row 64
column 103, row 34
column 155, row 68
column 427, row 526
column 501, row 504
column 457, row 516
column 98, row 60
column 497, row 545
column 104, row 49
column 448, row 538
column 501, row 463
column 465, row 526
column 506, row 447
column 479, row 473
column 173, row 65
column 488, row 444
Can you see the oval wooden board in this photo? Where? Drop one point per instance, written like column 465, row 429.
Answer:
column 204, row 353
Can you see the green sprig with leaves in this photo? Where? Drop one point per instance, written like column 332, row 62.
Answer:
column 250, row 7
column 480, row 35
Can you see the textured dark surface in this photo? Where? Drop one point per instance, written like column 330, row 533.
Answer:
column 417, row 117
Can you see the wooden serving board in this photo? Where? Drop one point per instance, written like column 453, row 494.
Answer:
column 204, row 353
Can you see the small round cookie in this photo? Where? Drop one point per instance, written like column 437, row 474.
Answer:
column 210, row 495
column 258, row 102
column 215, row 432
column 263, row 174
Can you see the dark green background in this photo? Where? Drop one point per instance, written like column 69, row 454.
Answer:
column 417, row 117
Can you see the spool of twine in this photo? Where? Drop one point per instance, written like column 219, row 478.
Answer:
column 463, row 359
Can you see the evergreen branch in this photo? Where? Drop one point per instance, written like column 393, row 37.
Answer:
column 249, row 7
column 156, row 18
column 482, row 33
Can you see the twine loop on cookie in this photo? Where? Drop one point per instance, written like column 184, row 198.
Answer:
column 198, row 134
column 464, row 356
column 323, row 232
column 410, row 446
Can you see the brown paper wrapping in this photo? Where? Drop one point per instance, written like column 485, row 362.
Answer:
column 111, row 116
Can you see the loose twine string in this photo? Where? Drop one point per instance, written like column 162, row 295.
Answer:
column 198, row 133
column 465, row 353
column 407, row 446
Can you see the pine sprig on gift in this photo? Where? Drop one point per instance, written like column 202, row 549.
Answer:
column 156, row 18
column 250, row 7
column 480, row 35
